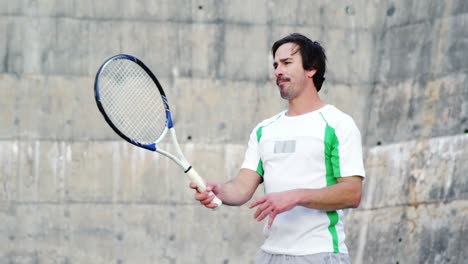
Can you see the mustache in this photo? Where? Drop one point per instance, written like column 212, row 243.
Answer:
column 282, row 79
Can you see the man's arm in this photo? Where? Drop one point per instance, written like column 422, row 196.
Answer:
column 346, row 193
column 234, row 192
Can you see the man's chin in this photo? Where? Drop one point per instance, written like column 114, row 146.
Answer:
column 284, row 95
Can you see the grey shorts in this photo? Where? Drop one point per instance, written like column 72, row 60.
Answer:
column 320, row 258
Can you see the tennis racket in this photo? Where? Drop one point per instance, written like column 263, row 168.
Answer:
column 135, row 106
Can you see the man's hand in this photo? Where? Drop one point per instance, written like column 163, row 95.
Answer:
column 273, row 204
column 204, row 197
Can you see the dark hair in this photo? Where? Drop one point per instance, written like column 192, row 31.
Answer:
column 313, row 55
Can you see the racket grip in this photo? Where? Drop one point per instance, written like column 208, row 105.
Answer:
column 201, row 185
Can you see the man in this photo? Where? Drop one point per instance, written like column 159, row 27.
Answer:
column 309, row 158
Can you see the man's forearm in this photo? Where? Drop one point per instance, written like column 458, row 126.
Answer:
column 231, row 194
column 339, row 196
column 239, row 190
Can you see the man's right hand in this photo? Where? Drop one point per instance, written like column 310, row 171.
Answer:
column 204, row 197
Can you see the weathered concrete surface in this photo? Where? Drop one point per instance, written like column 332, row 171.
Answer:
column 125, row 233
column 94, row 202
column 429, row 233
column 419, row 109
column 414, row 208
column 73, row 192
column 420, row 72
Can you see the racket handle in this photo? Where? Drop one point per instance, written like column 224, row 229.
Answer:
column 201, row 185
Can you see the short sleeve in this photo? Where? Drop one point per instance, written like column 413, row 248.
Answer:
column 252, row 158
column 349, row 149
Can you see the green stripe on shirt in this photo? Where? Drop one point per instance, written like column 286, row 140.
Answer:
column 260, row 163
column 332, row 166
column 259, row 133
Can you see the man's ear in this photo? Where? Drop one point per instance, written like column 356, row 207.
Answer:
column 311, row 73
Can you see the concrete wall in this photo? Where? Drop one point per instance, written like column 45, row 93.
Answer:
column 73, row 192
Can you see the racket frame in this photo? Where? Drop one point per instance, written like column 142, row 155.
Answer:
column 169, row 123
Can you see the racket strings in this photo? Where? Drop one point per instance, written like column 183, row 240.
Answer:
column 132, row 101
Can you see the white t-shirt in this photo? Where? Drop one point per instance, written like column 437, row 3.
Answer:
column 306, row 151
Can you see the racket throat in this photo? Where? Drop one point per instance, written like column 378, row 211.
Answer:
column 181, row 161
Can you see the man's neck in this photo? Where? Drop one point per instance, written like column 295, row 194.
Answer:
column 304, row 104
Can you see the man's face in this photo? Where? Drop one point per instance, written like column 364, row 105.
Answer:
column 291, row 77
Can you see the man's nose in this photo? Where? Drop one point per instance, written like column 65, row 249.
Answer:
column 278, row 72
